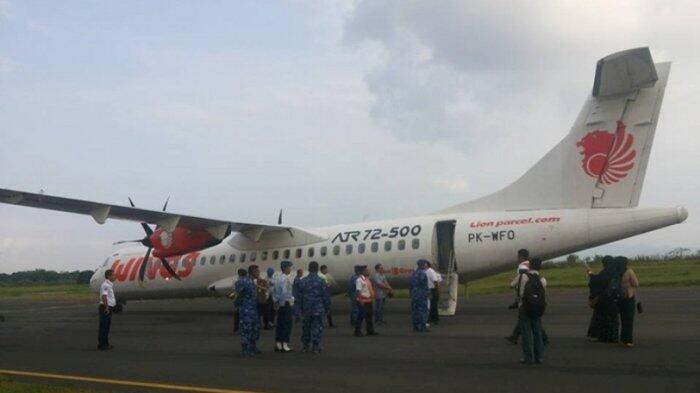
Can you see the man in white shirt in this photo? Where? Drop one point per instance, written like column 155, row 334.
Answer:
column 531, row 307
column 365, row 298
column 523, row 267
column 283, row 297
column 434, row 279
column 107, row 303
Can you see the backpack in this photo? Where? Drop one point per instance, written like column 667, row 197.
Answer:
column 614, row 291
column 534, row 301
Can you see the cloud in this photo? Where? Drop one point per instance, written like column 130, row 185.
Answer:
column 7, row 65
column 443, row 72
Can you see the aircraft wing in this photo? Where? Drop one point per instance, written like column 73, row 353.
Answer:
column 100, row 212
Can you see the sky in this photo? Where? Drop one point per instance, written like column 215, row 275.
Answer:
column 335, row 111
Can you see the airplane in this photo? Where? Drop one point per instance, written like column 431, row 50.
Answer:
column 583, row 193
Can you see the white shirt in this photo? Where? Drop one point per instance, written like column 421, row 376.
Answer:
column 433, row 277
column 106, row 289
column 523, row 281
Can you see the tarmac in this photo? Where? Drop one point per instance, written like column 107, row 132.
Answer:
column 190, row 343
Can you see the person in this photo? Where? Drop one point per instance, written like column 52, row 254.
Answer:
column 246, row 301
column 233, row 296
column 627, row 304
column 262, row 293
column 351, row 294
column 284, row 301
column 365, row 298
column 523, row 266
column 419, row 297
column 296, row 286
column 434, row 279
column 314, row 303
column 330, row 282
column 608, row 303
column 270, row 304
column 107, row 303
column 596, row 287
column 382, row 289
column 531, row 307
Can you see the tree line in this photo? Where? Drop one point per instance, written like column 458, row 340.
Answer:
column 41, row 276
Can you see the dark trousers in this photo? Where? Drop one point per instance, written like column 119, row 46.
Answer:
column 596, row 324
column 360, row 317
column 366, row 311
column 532, row 341
column 610, row 326
column 264, row 314
column 627, row 309
column 516, row 333
column 103, row 331
column 283, row 330
column 434, row 299
column 329, row 318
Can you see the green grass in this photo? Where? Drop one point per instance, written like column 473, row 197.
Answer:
column 9, row 386
column 681, row 273
column 58, row 292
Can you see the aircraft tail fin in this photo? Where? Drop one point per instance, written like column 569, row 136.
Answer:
column 601, row 163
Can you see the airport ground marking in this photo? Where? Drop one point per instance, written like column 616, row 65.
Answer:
column 107, row 381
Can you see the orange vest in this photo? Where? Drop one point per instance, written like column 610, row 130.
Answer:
column 364, row 298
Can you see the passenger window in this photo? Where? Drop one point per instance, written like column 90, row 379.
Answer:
column 361, row 248
column 324, row 251
column 348, row 249
column 375, row 247
column 232, row 258
column 336, row 250
column 387, row 245
column 222, row 259
column 253, row 256
column 415, row 244
column 402, row 244
column 263, row 256
column 286, row 254
column 310, row 252
column 203, row 261
column 242, row 257
column 212, row 260
column 299, row 252
column 275, row 255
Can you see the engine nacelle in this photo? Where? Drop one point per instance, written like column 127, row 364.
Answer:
column 180, row 241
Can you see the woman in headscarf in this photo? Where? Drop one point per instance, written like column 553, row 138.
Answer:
column 596, row 288
column 627, row 303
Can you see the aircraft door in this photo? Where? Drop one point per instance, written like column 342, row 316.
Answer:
column 447, row 266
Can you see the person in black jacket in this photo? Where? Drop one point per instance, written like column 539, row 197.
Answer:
column 607, row 303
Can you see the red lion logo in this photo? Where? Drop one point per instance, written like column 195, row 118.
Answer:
column 608, row 156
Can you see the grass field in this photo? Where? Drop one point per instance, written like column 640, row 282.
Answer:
column 681, row 273
column 58, row 292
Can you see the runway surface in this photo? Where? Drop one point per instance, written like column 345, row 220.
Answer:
column 190, row 342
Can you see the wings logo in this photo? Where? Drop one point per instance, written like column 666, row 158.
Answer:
column 608, row 156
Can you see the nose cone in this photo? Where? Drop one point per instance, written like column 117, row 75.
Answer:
column 681, row 213
column 95, row 281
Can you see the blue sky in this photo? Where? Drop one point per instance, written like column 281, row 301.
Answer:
column 335, row 111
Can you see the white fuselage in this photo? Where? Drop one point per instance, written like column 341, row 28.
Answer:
column 484, row 243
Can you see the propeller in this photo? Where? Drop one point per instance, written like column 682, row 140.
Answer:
column 146, row 241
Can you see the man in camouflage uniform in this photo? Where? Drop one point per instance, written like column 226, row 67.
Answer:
column 352, row 294
column 419, row 297
column 314, row 303
column 246, row 302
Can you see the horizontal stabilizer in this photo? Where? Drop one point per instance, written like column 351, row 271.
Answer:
column 624, row 72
